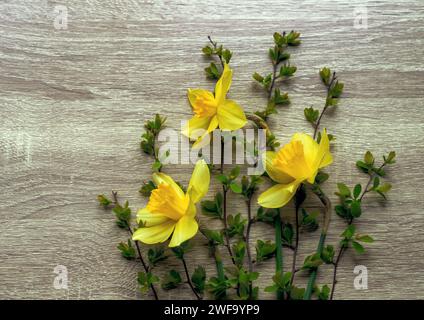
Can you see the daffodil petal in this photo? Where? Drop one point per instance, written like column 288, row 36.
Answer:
column 231, row 116
column 150, row 219
column 273, row 171
column 155, row 234
column 199, row 182
column 159, row 177
column 278, row 196
column 196, row 127
column 310, row 146
column 223, row 84
column 324, row 151
column 185, row 229
column 323, row 156
column 201, row 141
column 194, row 94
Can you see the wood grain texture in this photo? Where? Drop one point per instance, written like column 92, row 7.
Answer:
column 73, row 103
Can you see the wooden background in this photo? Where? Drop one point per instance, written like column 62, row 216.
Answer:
column 73, row 103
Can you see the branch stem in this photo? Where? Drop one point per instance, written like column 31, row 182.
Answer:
column 189, row 279
column 224, row 207
column 296, row 245
column 278, row 251
column 140, row 256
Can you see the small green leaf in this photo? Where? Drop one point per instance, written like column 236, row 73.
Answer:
column 127, row 250
column 236, row 225
column 336, row 90
column 235, row 187
column 156, row 255
column 363, row 166
column 287, row 70
column 199, row 279
column 324, row 293
column 321, row 177
column 226, row 55
column 349, row 231
column 369, row 158
column 309, row 220
column 292, row 38
column 235, row 172
column 223, row 179
column 312, row 261
column 214, row 237
column 328, row 254
column 266, row 215
column 341, row 211
column 390, row 159
column 171, row 280
column 212, row 71
column 343, row 190
column 357, row 191
column 364, row 238
column 145, row 280
column 213, row 208
column 239, row 251
column 279, row 39
column 296, row 293
column 376, row 182
column 123, row 214
column 385, row 187
column 264, row 250
column 325, row 74
column 207, row 50
column 157, row 165
column 103, row 200
column 311, row 114
column 280, row 99
column 147, row 188
column 287, row 234
column 358, row 247
column 258, row 77
column 355, row 208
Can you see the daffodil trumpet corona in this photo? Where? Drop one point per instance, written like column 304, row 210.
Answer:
column 295, row 163
column 171, row 212
column 213, row 110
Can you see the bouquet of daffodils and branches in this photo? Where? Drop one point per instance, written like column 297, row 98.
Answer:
column 293, row 172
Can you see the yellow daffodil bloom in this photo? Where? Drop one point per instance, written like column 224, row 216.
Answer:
column 170, row 211
column 213, row 110
column 294, row 163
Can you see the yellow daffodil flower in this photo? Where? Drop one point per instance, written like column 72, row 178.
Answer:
column 296, row 162
column 170, row 210
column 213, row 110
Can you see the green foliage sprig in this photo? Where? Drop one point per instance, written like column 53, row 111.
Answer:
column 281, row 69
column 130, row 249
column 215, row 50
column 148, row 139
column 350, row 207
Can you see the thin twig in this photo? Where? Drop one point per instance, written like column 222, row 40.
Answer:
column 296, row 245
column 189, row 279
column 140, row 256
column 224, row 207
column 326, row 104
column 369, row 182
column 327, row 215
column 215, row 45
column 278, row 251
column 249, row 225
column 336, row 264
column 274, row 77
